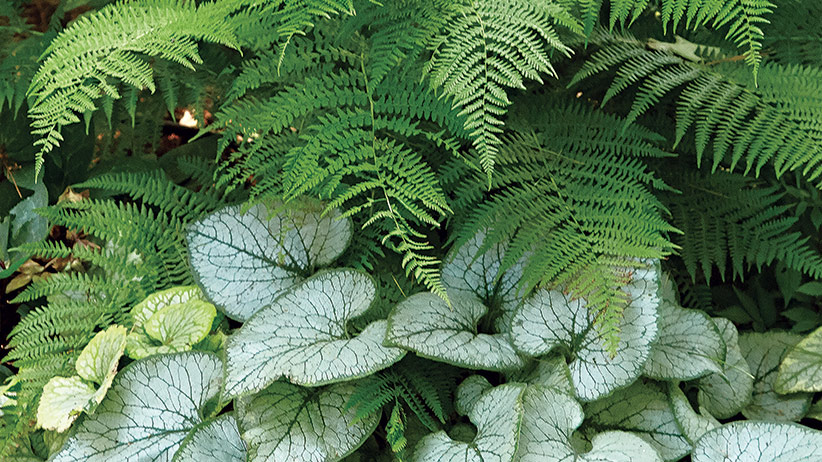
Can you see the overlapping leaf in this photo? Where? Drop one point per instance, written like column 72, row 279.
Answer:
column 725, row 394
column 304, row 336
column 552, row 319
column 286, row 422
column 426, row 324
column 801, row 369
column 642, row 408
column 148, row 412
column 764, row 353
column 759, row 442
column 244, row 261
column 218, row 439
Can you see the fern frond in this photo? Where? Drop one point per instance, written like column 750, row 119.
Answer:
column 395, row 432
column 793, row 35
column 105, row 48
column 576, row 212
column 731, row 222
column 736, row 121
column 488, row 46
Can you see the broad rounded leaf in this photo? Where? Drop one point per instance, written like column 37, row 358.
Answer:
column 692, row 424
column 303, row 336
column 172, row 329
column 62, row 401
column 759, row 442
column 725, row 394
column 548, row 371
column 549, row 420
column 217, row 440
column 244, row 261
column 469, row 392
column 552, row 319
column 764, row 353
column 424, row 323
column 286, row 422
column 801, row 370
column 466, row 271
column 64, row 398
column 642, row 408
column 98, row 361
column 161, row 299
column 688, row 345
column 497, row 416
column 149, row 410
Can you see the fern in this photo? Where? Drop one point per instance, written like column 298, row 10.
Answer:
column 422, row 385
column 144, row 251
column 99, row 51
column 578, row 209
column 340, row 136
column 488, row 46
column 743, row 18
column 739, row 123
column 793, row 36
column 731, row 222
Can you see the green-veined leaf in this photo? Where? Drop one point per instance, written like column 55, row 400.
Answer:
column 424, row 323
column 801, row 369
column 552, row 319
column 548, row 371
column 217, row 440
column 172, row 329
column 304, row 336
column 692, row 424
column 725, row 394
column 244, row 261
column 759, row 442
column 149, row 410
column 642, row 408
column 286, row 422
column 688, row 344
column 764, row 353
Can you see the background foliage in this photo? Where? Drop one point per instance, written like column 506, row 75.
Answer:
column 563, row 147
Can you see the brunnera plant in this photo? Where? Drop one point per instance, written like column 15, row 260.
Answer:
column 423, row 230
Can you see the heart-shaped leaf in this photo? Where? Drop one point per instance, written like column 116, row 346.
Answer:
column 692, row 424
column 764, row 353
column 725, row 394
column 217, row 440
column 424, row 323
column 642, row 408
column 688, row 345
column 304, row 336
column 64, row 398
column 467, row 271
column 801, row 370
column 552, row 319
column 548, row 371
column 169, row 321
column 149, row 411
column 549, row 420
column 759, row 442
column 244, row 261
column 497, row 415
column 286, row 422
column 469, row 392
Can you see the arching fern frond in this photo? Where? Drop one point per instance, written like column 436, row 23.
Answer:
column 362, row 145
column 102, row 50
column 737, row 121
column 732, row 223
column 793, row 35
column 488, row 46
column 575, row 210
column 743, row 18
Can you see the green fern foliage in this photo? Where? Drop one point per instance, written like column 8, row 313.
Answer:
column 732, row 223
column 142, row 249
column 107, row 48
column 793, row 35
column 395, row 432
column 735, row 120
column 339, row 135
column 488, row 46
column 578, row 209
column 421, row 385
column 742, row 18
